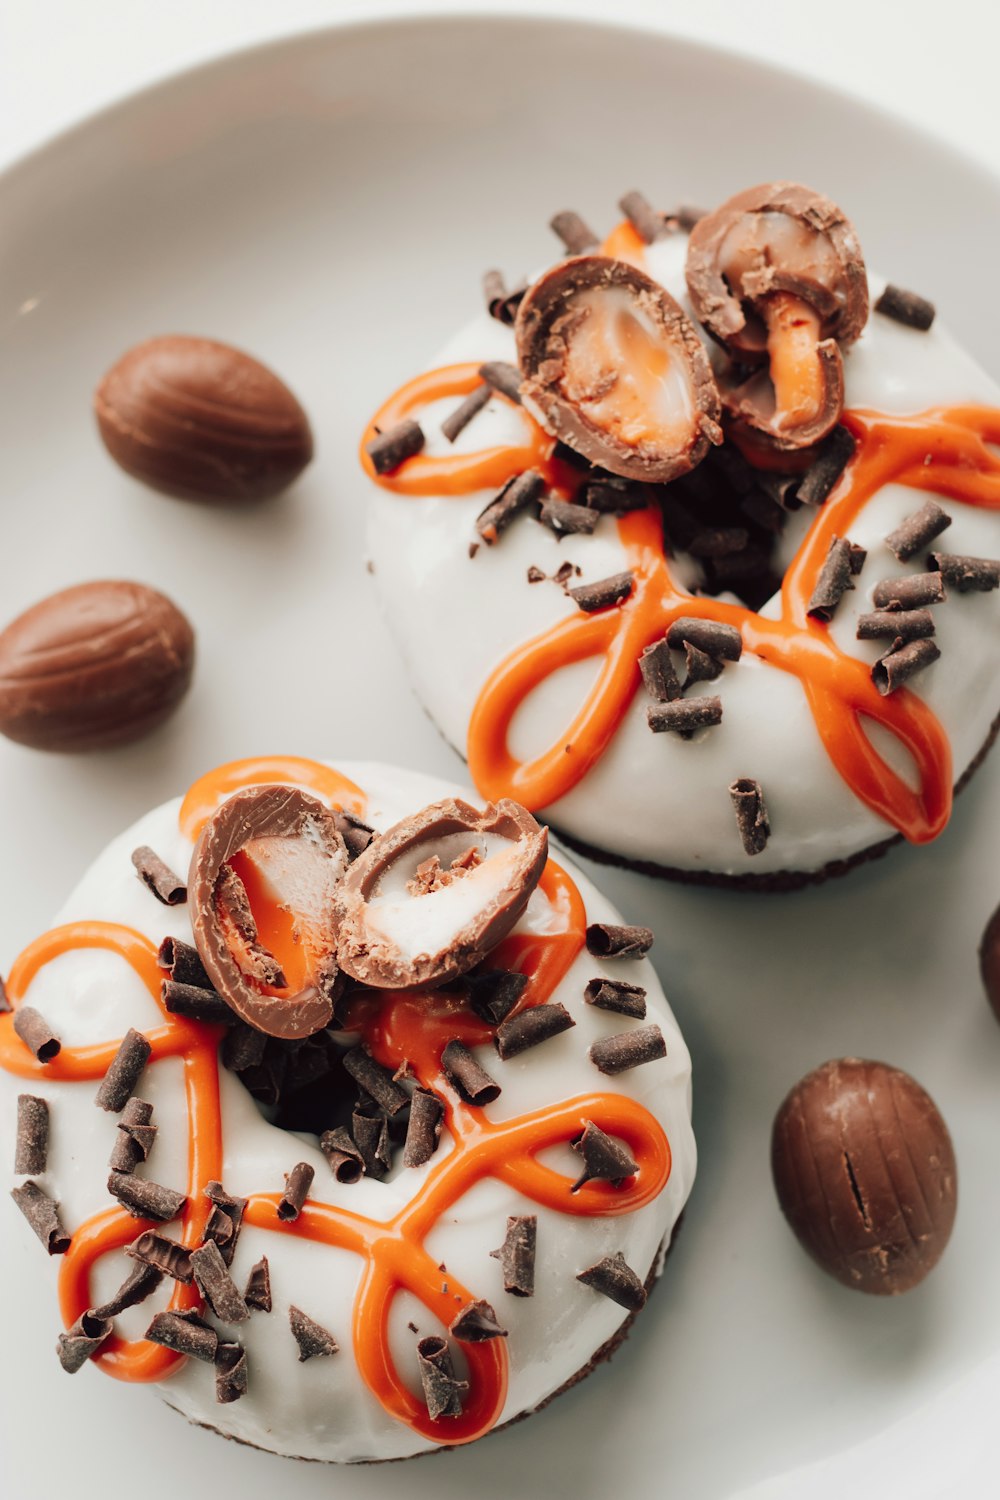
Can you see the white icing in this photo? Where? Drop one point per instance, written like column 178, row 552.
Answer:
column 321, row 1409
column 657, row 797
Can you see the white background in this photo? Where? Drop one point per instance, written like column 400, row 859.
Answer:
column 934, row 63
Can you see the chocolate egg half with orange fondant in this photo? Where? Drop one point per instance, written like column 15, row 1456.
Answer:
column 332, row 1218
column 716, row 660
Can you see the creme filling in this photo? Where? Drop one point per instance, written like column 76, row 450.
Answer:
column 289, row 883
column 420, row 924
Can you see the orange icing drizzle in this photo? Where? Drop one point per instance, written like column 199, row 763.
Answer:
column 944, row 450
column 394, row 1026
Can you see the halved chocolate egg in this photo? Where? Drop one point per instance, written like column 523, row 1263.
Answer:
column 614, row 369
column 428, row 899
column 261, row 888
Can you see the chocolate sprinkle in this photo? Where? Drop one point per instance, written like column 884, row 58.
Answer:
column 196, row 1004
column 718, row 541
column 465, row 1075
column 139, row 1284
column 158, row 877
column 710, row 636
column 120, row 1080
column 212, row 1278
column 566, row 518
column 606, row 940
column 751, row 814
column 297, row 1184
column 145, row 1200
column 185, row 1333
column 77, row 1344
column 616, row 995
column 833, row 455
column 502, row 377
column 183, row 963
column 515, row 496
column 134, row 1137
column 500, row 303
column 493, row 993
column 909, row 591
column 243, row 1047
column 162, row 1254
column 577, row 236
column 628, row 1049
column 898, row 667
column 612, row 495
column 604, row 1159
column 906, row 307
column 42, row 1213
column 613, row 1277
column 899, row 624
column 686, row 216
column 606, row 591
column 225, row 1223
column 647, row 223
column 517, row 1255
column 699, row 666
column 530, row 1027
column 36, row 1033
column 967, row 573
column 389, row 449
column 658, row 674
column 476, row 1323
column 442, row 1392
column 5, row 1006
column 460, row 418
column 257, row 1293
column 685, row 716
column 312, row 1338
column 31, row 1147
column 918, row 531
column 343, row 1157
column 834, row 580
column 424, row 1129
column 372, row 1137
column 230, row 1373
column 375, row 1080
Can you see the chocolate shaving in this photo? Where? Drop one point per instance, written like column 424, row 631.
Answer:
column 476, row 1323
column 890, row 672
column 442, row 1392
column 230, row 1373
column 493, row 993
column 515, row 496
column 699, row 666
column 79, row 1343
column 36, row 1033
column 566, row 518
column 424, row 1129
column 503, row 377
column 196, row 1004
column 517, row 1255
column 686, row 216
column 297, row 1184
column 718, row 541
column 899, row 624
column 212, row 1278
column 389, row 449
column 134, row 1136
column 256, row 960
column 967, row 574
column 465, row 1075
column 613, row 1277
column 530, row 1027
column 158, row 877
column 606, row 591
column 832, row 457
column 120, row 1080
column 460, row 418
column 42, row 1213
column 343, row 1157
column 604, row 1159
column 763, row 510
column 722, row 641
column 606, row 940
column 182, row 963
column 577, row 236
column 751, row 814
column 684, row 717
column 616, row 995
column 31, row 1148
column 647, row 223
column 909, row 591
column 5, row 1005
column 257, row 1293
column 906, row 307
column 500, row 303
column 226, row 1221
column 184, row 1333
column 614, row 496
column 162, row 1254
column 145, row 1200
column 834, row 580
column 357, row 835
column 312, row 1338
column 139, row 1284
column 658, row 675
column 918, row 531
column 376, row 1081
column 243, row 1047
column 628, row 1049
column 371, row 1135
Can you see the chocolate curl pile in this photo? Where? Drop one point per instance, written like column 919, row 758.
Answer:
column 777, row 277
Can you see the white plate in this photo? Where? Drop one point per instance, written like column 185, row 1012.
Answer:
column 329, row 204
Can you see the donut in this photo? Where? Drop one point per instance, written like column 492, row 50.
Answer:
column 690, row 545
column 335, row 1219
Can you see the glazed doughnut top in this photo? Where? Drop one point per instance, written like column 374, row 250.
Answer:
column 605, row 531
column 346, row 1302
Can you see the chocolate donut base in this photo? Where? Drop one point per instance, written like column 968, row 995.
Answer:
column 601, row 1356
column 777, row 880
